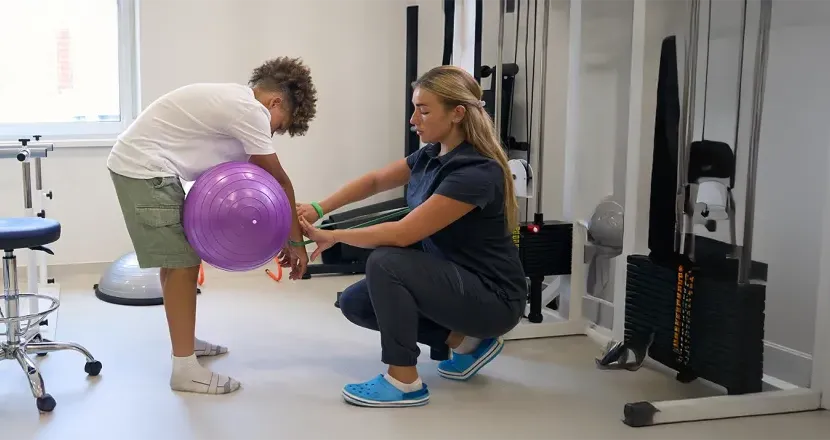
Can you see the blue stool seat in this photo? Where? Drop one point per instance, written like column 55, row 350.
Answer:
column 27, row 232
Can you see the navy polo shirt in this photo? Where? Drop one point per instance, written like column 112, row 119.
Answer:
column 479, row 241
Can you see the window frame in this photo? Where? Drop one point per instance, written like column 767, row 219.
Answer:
column 128, row 93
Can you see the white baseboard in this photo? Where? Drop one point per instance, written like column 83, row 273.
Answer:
column 787, row 364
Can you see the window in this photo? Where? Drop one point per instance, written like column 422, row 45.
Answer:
column 67, row 68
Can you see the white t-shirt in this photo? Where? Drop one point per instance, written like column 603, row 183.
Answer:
column 191, row 129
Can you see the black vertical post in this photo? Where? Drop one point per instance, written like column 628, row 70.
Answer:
column 449, row 31
column 411, row 141
column 477, row 54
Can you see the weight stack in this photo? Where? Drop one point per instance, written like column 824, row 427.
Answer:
column 545, row 249
column 704, row 323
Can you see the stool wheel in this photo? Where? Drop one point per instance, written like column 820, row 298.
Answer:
column 39, row 338
column 93, row 368
column 46, row 403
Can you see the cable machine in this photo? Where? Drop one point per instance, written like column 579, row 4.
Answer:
column 692, row 306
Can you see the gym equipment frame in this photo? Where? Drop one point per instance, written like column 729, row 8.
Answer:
column 777, row 396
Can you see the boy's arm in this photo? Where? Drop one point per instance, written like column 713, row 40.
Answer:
column 253, row 130
column 271, row 164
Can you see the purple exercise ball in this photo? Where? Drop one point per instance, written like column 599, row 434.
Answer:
column 237, row 217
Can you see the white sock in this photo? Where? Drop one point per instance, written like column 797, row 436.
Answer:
column 190, row 376
column 405, row 387
column 204, row 348
column 468, row 345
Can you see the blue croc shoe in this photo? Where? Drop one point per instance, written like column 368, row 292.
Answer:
column 379, row 393
column 465, row 366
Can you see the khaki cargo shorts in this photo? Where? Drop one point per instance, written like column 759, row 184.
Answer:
column 152, row 210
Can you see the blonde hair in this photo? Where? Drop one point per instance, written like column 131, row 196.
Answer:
column 454, row 86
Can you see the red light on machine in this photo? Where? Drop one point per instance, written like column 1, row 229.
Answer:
column 533, row 228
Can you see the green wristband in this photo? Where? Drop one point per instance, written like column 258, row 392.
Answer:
column 318, row 208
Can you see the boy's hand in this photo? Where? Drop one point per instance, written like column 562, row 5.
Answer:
column 306, row 211
column 299, row 263
column 296, row 258
column 284, row 257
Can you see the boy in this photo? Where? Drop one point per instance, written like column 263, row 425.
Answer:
column 181, row 135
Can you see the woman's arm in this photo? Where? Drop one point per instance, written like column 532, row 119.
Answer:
column 457, row 195
column 391, row 176
column 434, row 214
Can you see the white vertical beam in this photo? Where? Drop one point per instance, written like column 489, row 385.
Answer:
column 634, row 163
column 574, row 97
column 821, row 349
column 572, row 111
column 464, row 38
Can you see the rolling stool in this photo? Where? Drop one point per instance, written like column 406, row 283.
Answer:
column 30, row 233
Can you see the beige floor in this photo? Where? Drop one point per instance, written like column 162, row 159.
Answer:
column 293, row 351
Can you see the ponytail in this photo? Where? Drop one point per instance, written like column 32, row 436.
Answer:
column 481, row 133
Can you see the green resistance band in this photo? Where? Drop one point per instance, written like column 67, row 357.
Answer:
column 387, row 216
column 318, row 208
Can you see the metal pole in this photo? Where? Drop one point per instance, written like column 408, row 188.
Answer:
column 31, row 265
column 731, row 210
column 11, row 294
column 686, row 129
column 739, row 91
column 38, row 174
column 499, row 69
column 27, row 188
column 43, row 276
column 22, row 154
column 543, row 97
column 759, row 84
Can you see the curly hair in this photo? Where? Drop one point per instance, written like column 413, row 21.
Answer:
column 293, row 79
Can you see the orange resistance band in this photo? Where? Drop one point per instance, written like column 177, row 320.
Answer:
column 276, row 277
column 201, row 275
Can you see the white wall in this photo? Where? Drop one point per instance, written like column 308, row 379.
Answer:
column 788, row 218
column 356, row 52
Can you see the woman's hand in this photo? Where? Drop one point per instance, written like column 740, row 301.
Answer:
column 306, row 211
column 323, row 238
